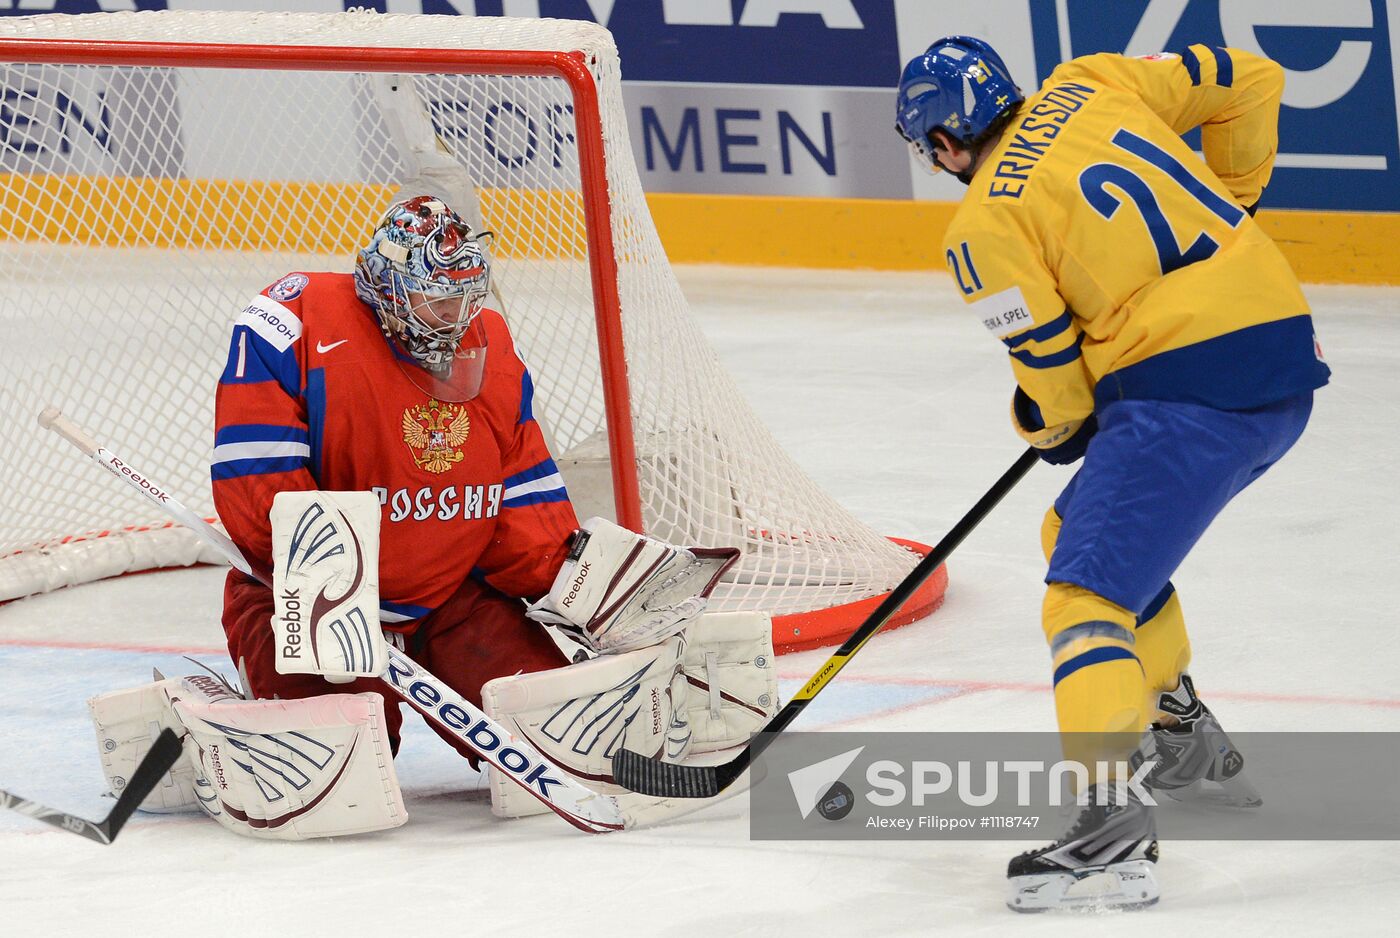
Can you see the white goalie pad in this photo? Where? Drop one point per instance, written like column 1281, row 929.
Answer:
column 619, row 591
column 731, row 680
column 127, row 724
column 291, row 769
column 722, row 677
column 325, row 584
column 579, row 715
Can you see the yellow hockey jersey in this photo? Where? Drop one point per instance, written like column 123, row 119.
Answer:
column 1113, row 262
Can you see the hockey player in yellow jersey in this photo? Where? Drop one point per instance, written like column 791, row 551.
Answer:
column 1155, row 331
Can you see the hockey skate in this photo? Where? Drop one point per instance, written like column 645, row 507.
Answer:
column 1196, row 761
column 1106, row 861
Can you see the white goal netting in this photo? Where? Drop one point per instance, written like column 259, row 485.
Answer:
column 141, row 205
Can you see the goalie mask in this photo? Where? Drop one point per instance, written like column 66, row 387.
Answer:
column 425, row 274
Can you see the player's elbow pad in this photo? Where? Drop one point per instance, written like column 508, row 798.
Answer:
column 1060, row 444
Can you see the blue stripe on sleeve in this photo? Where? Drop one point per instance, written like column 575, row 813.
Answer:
column 537, row 471
column 1193, row 65
column 1041, row 333
column 1053, row 360
column 536, row 498
column 259, row 432
column 237, row 468
column 527, row 398
column 1224, row 67
column 1092, row 656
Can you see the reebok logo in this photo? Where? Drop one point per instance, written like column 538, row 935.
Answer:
column 583, row 571
column 324, row 347
column 117, row 467
column 472, row 729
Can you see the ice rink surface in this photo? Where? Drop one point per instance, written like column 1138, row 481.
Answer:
column 895, row 400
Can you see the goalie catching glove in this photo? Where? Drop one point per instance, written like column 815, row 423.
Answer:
column 619, row 591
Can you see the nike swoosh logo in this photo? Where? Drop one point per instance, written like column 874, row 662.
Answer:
column 323, row 347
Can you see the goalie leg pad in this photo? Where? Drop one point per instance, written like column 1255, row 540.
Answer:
column 579, row 715
column 292, row 769
column 619, row 591
column 704, row 695
column 127, row 724
column 732, row 684
column 325, row 583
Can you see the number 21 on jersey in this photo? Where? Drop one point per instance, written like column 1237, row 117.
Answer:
column 1095, row 180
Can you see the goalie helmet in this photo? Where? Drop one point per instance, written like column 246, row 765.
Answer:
column 959, row 85
column 426, row 276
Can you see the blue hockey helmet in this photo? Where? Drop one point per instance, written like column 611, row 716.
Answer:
column 960, row 85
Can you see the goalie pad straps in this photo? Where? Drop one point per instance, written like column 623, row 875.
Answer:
column 672, row 700
column 579, row 715
column 619, row 591
column 325, row 585
column 731, row 680
column 291, row 769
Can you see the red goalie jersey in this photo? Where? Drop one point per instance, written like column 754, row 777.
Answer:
column 313, row 397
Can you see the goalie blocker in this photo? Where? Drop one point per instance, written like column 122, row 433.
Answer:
column 325, row 585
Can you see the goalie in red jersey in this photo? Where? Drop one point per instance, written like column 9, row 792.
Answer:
column 402, row 381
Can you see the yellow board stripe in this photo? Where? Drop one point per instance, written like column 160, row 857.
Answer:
column 874, row 234
column 256, row 215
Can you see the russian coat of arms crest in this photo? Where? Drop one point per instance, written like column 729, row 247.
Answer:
column 433, row 431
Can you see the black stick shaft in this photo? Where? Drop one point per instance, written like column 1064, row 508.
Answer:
column 892, row 603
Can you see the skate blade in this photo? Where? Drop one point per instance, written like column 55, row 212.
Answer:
column 1120, row 886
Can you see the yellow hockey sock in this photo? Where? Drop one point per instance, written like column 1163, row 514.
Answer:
column 1100, row 687
column 1162, row 646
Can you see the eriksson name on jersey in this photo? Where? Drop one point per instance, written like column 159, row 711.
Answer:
column 1032, row 137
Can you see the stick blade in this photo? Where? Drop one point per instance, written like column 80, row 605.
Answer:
column 636, row 772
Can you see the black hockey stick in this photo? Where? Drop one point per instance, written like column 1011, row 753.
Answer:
column 638, row 773
column 147, row 775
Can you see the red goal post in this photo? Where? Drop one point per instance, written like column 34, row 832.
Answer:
column 648, row 429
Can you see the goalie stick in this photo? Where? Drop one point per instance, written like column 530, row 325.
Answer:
column 148, row 774
column 638, row 773
column 442, row 706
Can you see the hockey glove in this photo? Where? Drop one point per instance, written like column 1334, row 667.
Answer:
column 620, row 591
column 1059, row 445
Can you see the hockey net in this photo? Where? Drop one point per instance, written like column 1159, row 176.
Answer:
column 149, row 187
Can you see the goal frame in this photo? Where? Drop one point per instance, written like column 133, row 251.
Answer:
column 793, row 631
